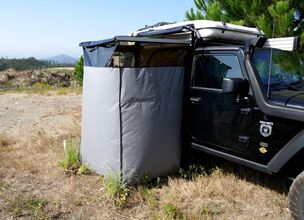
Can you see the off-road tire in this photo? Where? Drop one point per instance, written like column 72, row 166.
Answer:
column 296, row 197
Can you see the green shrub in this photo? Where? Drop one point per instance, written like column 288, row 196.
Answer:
column 117, row 189
column 170, row 210
column 78, row 74
column 84, row 170
column 71, row 160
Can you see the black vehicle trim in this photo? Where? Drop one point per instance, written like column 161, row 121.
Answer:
column 287, row 152
column 207, row 89
column 222, row 48
column 232, row 158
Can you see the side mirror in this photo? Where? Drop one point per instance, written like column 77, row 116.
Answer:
column 235, row 85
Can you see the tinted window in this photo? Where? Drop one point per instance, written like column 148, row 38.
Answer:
column 279, row 67
column 210, row 70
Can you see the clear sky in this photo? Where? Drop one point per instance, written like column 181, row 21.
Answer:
column 45, row 28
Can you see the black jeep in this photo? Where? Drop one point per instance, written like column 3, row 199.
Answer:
column 245, row 103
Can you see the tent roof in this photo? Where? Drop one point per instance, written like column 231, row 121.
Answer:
column 133, row 39
column 198, row 25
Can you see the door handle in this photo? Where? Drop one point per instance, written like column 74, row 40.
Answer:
column 195, row 100
column 246, row 111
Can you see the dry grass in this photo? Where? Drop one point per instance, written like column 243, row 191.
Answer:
column 29, row 206
column 220, row 191
column 43, row 89
column 4, row 141
column 33, row 186
column 222, row 195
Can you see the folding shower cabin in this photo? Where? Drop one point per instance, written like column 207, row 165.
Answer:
column 132, row 106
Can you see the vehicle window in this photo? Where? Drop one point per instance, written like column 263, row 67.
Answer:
column 210, row 70
column 279, row 68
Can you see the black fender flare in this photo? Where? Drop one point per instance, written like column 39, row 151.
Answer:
column 286, row 153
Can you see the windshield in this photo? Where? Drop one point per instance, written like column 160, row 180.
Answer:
column 286, row 68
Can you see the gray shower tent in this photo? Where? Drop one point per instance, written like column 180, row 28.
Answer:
column 132, row 105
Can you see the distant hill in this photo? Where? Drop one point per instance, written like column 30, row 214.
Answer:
column 62, row 59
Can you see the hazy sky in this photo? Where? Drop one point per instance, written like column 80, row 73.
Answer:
column 44, row 28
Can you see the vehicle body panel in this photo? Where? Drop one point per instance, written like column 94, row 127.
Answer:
column 230, row 125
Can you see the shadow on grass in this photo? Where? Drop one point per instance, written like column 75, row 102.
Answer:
column 209, row 163
column 198, row 163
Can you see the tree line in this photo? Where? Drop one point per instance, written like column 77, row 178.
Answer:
column 28, row 64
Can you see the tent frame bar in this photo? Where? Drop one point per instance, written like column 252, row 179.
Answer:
column 134, row 39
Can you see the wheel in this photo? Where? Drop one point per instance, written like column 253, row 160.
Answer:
column 296, row 197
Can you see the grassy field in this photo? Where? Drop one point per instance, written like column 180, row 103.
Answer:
column 37, row 181
column 43, row 89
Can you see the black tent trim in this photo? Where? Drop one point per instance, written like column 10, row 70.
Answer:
column 133, row 39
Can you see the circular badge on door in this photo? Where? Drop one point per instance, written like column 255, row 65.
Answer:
column 266, row 128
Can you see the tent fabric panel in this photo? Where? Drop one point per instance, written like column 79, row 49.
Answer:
column 141, row 55
column 100, row 144
column 151, row 109
column 98, row 56
column 97, row 43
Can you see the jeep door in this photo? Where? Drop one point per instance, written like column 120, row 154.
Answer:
column 215, row 119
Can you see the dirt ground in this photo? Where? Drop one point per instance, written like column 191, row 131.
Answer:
column 23, row 115
column 33, row 186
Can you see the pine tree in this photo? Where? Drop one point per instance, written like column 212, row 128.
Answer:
column 276, row 18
